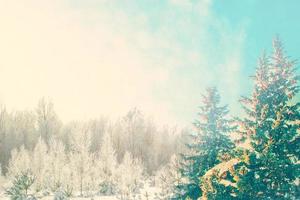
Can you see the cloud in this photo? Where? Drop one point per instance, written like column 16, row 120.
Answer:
column 96, row 57
column 48, row 50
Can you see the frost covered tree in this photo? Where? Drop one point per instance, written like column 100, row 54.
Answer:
column 21, row 185
column 19, row 163
column 130, row 175
column 270, row 169
column 39, row 162
column 55, row 162
column 2, row 177
column 208, row 145
column 47, row 120
column 81, row 160
column 16, row 129
column 107, row 165
column 168, row 178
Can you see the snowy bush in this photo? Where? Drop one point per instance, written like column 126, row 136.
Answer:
column 21, row 187
column 61, row 195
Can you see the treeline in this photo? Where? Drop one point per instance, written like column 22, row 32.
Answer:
column 97, row 157
column 251, row 157
column 134, row 133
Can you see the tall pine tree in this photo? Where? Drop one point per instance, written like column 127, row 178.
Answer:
column 209, row 143
column 271, row 167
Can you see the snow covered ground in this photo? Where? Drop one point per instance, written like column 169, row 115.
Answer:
column 146, row 193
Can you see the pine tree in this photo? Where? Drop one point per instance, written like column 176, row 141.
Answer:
column 271, row 167
column 209, row 143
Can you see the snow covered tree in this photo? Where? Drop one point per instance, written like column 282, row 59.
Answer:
column 21, row 187
column 271, row 167
column 2, row 177
column 82, row 161
column 219, row 182
column 19, row 163
column 39, row 163
column 107, row 165
column 212, row 188
column 130, row 174
column 169, row 177
column 208, row 145
column 55, row 163
column 47, row 120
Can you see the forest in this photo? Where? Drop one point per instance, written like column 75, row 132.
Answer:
column 251, row 156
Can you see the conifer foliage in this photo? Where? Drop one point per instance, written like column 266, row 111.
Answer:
column 21, row 185
column 209, row 144
column 272, row 165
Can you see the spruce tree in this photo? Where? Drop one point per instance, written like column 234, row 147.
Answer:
column 270, row 168
column 209, row 143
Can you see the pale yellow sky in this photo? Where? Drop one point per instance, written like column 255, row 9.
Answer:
column 98, row 57
column 47, row 50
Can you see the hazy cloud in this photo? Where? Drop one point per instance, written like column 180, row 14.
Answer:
column 97, row 58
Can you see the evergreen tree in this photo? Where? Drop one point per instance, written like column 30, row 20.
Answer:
column 209, row 143
column 271, row 167
column 214, row 189
column 218, row 182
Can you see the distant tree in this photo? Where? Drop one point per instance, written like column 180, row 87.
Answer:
column 169, row 177
column 130, row 175
column 39, row 162
column 48, row 123
column 56, row 160
column 5, row 147
column 98, row 128
column 107, row 164
column 16, row 129
column 81, row 159
column 19, row 163
column 208, row 144
column 133, row 127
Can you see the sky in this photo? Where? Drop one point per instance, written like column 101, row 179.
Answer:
column 96, row 58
